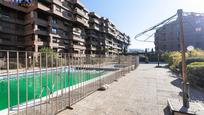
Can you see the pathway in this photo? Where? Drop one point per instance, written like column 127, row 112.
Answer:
column 142, row 92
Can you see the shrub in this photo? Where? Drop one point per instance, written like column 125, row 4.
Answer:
column 191, row 60
column 197, row 63
column 146, row 59
column 173, row 59
column 196, row 53
column 50, row 54
column 195, row 74
column 12, row 65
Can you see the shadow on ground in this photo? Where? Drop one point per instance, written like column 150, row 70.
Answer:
column 195, row 94
column 161, row 66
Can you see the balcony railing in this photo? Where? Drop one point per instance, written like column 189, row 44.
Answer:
column 82, row 13
column 95, row 20
column 40, row 43
column 42, row 32
column 8, row 19
column 41, row 22
column 43, row 7
column 45, row 83
column 77, row 38
column 82, row 21
column 76, row 46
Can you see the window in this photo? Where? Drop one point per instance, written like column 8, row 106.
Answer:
column 54, row 21
column 21, row 40
column 66, row 42
column 198, row 44
column 5, row 39
column 54, row 30
column 5, row 15
column 42, row 28
column 198, row 21
column 198, row 29
column 164, row 47
column 69, row 14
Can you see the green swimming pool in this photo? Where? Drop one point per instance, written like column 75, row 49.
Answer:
column 39, row 83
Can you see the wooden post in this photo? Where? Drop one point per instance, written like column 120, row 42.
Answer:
column 183, row 50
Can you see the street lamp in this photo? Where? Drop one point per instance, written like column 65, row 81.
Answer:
column 158, row 57
column 190, row 49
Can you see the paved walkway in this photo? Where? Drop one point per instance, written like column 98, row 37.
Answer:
column 142, row 92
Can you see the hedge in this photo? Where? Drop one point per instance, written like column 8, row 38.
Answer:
column 191, row 60
column 195, row 74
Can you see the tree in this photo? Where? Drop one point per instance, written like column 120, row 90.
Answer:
column 49, row 54
column 152, row 51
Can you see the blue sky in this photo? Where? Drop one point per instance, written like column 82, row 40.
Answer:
column 134, row 16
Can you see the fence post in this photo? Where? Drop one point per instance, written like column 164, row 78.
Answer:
column 8, row 79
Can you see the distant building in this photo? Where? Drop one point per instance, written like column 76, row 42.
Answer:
column 167, row 36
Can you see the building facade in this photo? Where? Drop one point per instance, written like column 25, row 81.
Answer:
column 65, row 26
column 167, row 36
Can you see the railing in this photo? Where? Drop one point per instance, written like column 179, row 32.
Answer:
column 45, row 83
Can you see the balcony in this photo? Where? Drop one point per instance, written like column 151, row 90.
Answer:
column 81, row 12
column 40, row 43
column 11, row 31
column 57, row 45
column 95, row 27
column 93, row 35
column 75, row 46
column 29, row 42
column 11, row 20
column 43, row 7
column 77, row 31
column 28, row 31
column 82, row 21
column 63, row 4
column 7, row 42
column 41, row 32
column 108, row 44
column 95, row 20
column 54, row 45
column 93, row 48
column 78, row 2
column 41, row 22
column 77, row 38
column 63, row 13
column 111, row 32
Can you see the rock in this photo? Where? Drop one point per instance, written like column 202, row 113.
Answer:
column 104, row 87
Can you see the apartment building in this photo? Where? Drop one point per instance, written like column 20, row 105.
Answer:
column 167, row 36
column 66, row 26
column 94, row 38
column 104, row 38
column 12, row 27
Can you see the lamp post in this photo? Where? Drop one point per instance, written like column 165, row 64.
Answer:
column 190, row 48
column 183, row 50
column 158, row 57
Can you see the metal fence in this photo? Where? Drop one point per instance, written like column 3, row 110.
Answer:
column 47, row 83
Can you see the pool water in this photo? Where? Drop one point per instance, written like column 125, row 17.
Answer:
column 40, row 84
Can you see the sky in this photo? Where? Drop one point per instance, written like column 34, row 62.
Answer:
column 135, row 16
